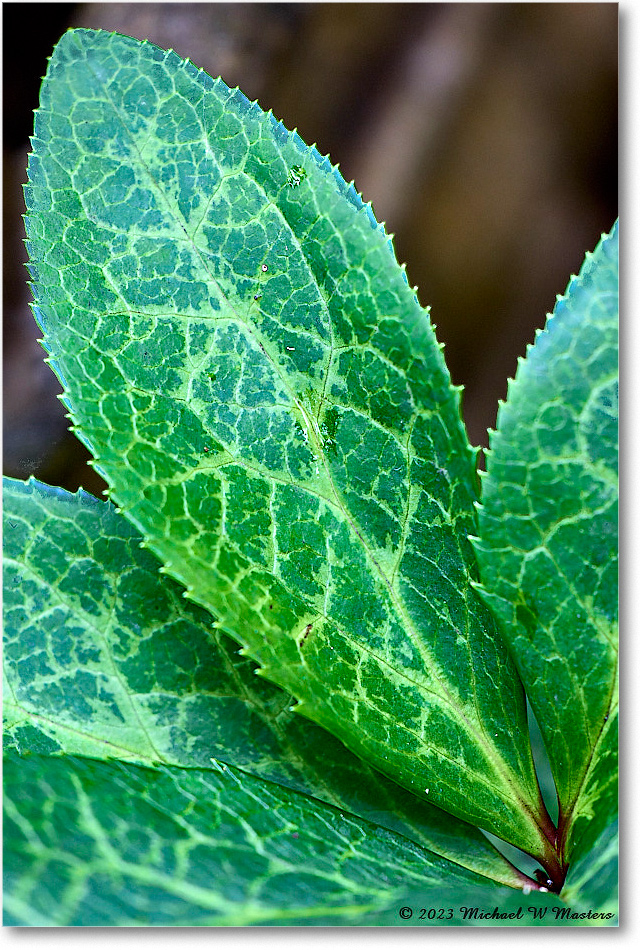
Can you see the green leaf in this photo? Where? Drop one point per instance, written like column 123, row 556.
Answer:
column 94, row 843
column 592, row 881
column 265, row 396
column 548, row 529
column 592, row 836
column 104, row 658
column 597, row 802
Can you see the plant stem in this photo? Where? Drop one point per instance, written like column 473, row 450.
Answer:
column 550, row 857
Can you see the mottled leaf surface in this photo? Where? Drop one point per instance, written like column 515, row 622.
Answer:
column 95, row 843
column 548, row 528
column 256, row 380
column 592, row 881
column 592, row 836
column 597, row 803
column 104, row 658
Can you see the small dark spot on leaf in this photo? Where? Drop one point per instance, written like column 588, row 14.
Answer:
column 306, row 633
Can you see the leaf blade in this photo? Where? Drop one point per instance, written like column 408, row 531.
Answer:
column 305, row 448
column 592, row 882
column 134, row 673
column 552, row 577
column 124, row 845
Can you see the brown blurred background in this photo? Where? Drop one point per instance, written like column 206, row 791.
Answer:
column 485, row 136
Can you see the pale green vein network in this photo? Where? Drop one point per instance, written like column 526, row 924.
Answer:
column 548, row 543
column 219, row 847
column 247, row 722
column 198, row 451
column 100, row 628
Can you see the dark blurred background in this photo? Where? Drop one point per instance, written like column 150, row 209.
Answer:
column 485, row 136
